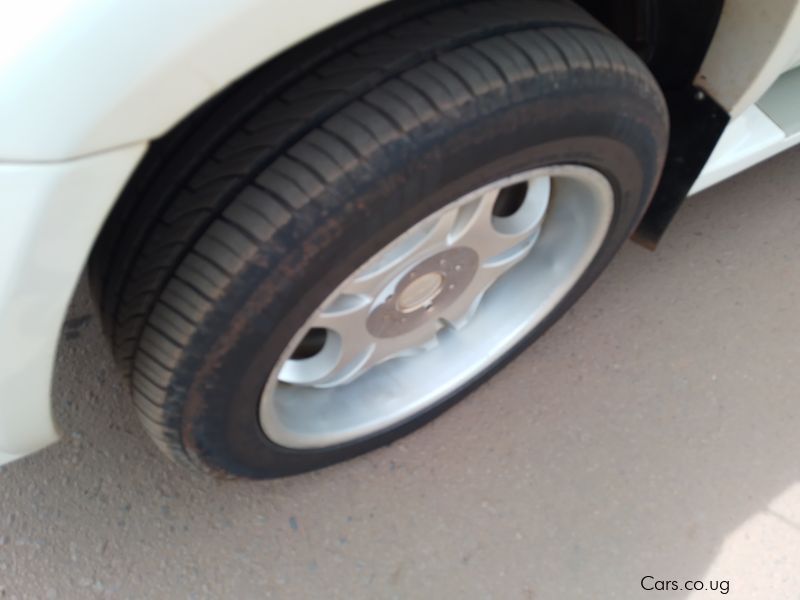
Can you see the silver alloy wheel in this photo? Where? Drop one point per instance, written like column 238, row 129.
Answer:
column 437, row 306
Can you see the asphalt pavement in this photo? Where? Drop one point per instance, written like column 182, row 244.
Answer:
column 652, row 435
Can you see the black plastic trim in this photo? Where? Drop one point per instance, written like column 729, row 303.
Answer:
column 672, row 37
column 697, row 122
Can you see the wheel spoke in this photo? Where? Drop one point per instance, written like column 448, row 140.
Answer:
column 414, row 342
column 428, row 237
column 439, row 233
column 460, row 312
column 499, row 239
column 347, row 348
column 350, row 350
column 365, row 285
column 492, row 269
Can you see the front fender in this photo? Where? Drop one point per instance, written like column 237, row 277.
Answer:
column 81, row 76
column 49, row 216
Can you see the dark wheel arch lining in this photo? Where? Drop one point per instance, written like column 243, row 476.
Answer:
column 672, row 37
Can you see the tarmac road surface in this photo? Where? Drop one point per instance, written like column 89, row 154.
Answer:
column 653, row 432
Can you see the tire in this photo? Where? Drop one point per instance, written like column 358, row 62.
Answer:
column 253, row 217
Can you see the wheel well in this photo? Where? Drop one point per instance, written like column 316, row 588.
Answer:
column 671, row 36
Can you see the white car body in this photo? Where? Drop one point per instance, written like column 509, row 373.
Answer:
column 85, row 85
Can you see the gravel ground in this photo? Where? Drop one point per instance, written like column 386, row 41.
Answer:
column 652, row 432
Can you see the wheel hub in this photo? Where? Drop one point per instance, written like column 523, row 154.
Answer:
column 420, row 293
column 424, row 291
column 437, row 306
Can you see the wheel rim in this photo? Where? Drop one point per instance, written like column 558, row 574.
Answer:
column 436, row 307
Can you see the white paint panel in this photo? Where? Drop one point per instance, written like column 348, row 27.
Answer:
column 747, row 140
column 754, row 43
column 51, row 214
column 795, row 60
column 81, row 76
column 7, row 458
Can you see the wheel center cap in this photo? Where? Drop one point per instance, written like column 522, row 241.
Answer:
column 420, row 292
column 423, row 292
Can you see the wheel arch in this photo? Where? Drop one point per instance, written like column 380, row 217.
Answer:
column 673, row 38
column 125, row 72
column 647, row 27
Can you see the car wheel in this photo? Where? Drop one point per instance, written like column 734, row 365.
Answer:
column 382, row 235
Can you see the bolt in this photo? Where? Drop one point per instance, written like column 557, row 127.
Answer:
column 699, row 95
column 443, row 262
column 458, row 267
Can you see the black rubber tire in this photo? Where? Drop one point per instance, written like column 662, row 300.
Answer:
column 248, row 222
